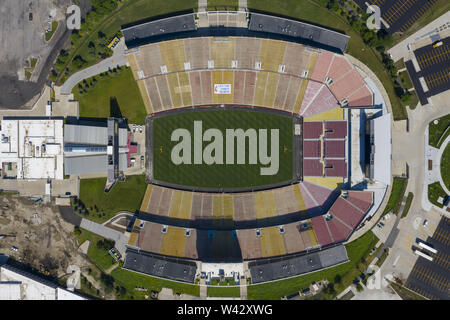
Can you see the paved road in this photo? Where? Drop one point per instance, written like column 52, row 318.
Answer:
column 105, row 232
column 400, row 50
column 117, row 59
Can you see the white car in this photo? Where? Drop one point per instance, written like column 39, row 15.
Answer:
column 140, row 128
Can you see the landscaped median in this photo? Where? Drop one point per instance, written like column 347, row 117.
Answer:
column 409, row 200
column 397, row 194
column 223, row 291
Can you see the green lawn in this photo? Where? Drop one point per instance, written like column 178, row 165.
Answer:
column 383, row 257
column 111, row 93
column 222, row 4
column 409, row 200
column 400, row 64
column 127, row 12
column 49, row 35
column 130, row 280
column 311, row 11
column 100, row 257
column 445, row 166
column 126, row 195
column 358, row 253
column 405, row 80
column 348, row 296
column 404, row 293
column 231, row 292
column 414, row 100
column 221, row 175
column 439, row 132
column 397, row 193
column 434, row 192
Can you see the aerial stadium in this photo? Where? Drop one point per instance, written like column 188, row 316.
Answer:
column 267, row 147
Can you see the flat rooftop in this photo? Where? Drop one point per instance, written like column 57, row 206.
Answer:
column 34, row 145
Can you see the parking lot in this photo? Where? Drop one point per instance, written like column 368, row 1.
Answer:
column 431, row 279
column 399, row 15
column 23, row 24
column 138, row 159
column 434, row 69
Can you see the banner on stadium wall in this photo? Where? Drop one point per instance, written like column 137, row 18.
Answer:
column 222, row 88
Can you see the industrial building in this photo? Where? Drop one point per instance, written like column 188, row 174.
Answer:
column 16, row 284
column 31, row 148
column 92, row 147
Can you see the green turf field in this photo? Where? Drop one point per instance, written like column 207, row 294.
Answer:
column 221, row 175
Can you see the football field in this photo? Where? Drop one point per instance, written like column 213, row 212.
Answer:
column 260, row 154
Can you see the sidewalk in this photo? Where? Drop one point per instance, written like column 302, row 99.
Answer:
column 118, row 59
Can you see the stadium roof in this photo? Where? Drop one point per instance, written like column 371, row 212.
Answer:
column 85, row 134
column 175, row 269
column 273, row 269
column 92, row 164
column 139, row 33
column 287, row 27
column 260, row 25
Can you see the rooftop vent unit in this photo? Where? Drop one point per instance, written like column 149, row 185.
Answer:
column 164, row 229
column 258, row 233
column 344, row 102
column 234, row 64
column 328, row 216
column 344, row 194
column 258, row 65
column 187, row 233
column 281, row 68
column 304, row 73
column 281, row 229
column 187, row 65
column 328, row 81
column 164, row 69
column 141, row 225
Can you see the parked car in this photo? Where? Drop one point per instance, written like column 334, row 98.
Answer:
column 140, row 128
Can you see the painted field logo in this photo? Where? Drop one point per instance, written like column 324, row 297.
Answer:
column 213, row 153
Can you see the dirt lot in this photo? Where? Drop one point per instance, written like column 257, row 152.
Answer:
column 45, row 242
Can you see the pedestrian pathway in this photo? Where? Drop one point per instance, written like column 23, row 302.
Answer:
column 105, row 232
column 243, row 288
column 118, row 59
column 203, row 288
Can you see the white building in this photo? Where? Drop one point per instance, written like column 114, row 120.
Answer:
column 31, row 148
column 16, row 284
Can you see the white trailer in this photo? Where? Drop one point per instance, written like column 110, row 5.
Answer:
column 420, row 253
column 427, row 247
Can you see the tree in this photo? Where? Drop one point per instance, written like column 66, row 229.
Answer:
column 338, row 278
column 330, row 289
column 107, row 281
